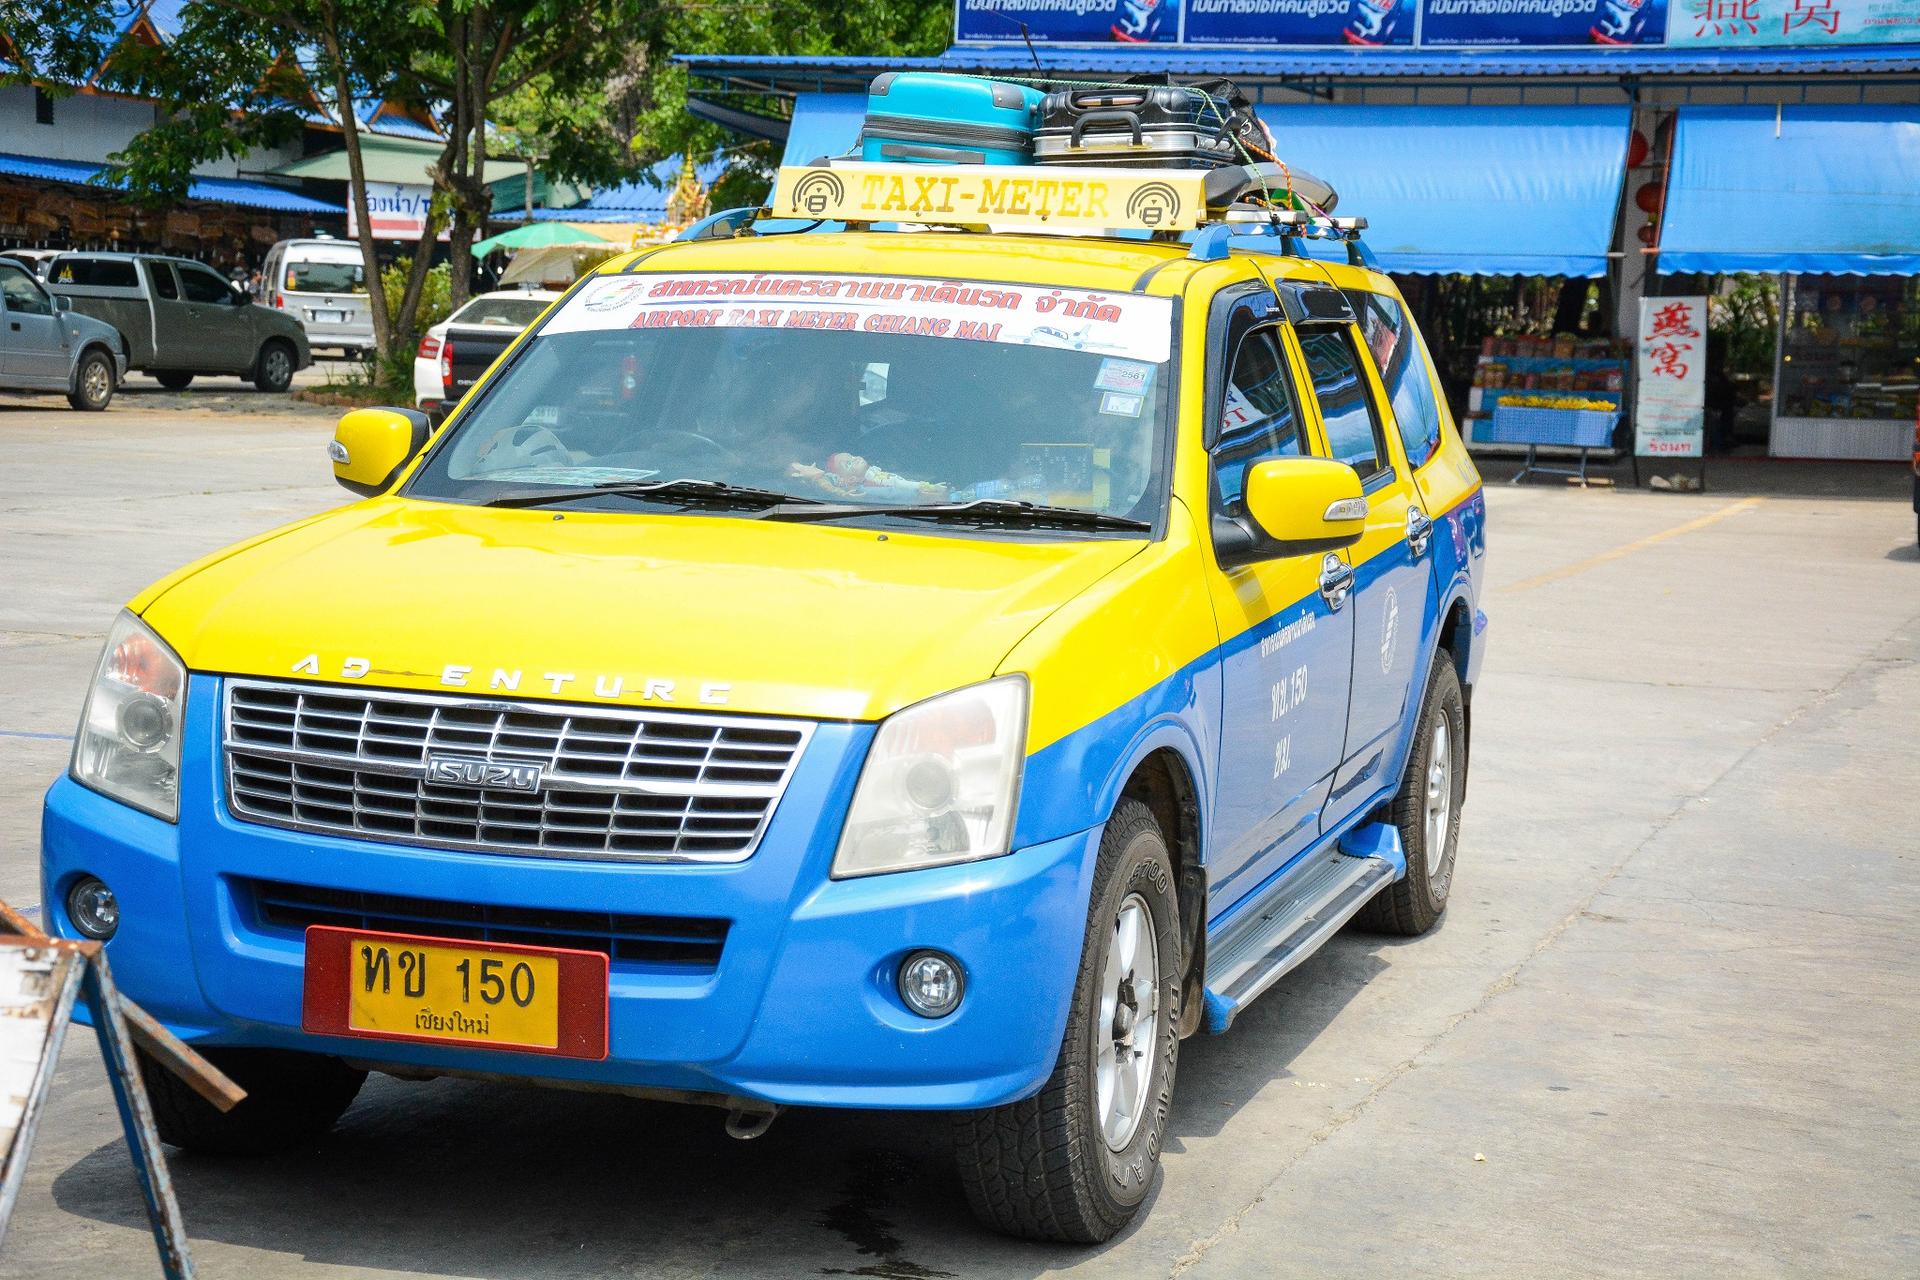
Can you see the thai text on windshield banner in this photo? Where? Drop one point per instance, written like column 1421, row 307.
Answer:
column 1109, row 324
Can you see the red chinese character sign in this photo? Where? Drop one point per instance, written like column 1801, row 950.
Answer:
column 1669, row 404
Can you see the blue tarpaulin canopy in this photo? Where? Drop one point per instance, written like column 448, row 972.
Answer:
column 238, row 191
column 824, row 124
column 1817, row 189
column 1526, row 190
column 1473, row 190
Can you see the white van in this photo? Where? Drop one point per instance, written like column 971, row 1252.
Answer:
column 322, row 284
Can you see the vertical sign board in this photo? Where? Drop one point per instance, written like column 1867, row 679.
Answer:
column 1670, row 391
column 396, row 210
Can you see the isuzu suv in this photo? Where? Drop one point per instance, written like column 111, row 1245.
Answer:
column 840, row 669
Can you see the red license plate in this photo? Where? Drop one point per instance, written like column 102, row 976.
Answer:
column 490, row 995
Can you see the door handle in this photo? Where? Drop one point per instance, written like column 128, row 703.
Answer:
column 15, row 326
column 1419, row 532
column 1336, row 580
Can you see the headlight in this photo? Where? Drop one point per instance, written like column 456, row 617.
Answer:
column 940, row 784
column 128, row 746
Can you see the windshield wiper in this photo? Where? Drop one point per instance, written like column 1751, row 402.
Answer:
column 1002, row 511
column 684, row 491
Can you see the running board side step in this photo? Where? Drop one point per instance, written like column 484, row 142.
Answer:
column 1272, row 940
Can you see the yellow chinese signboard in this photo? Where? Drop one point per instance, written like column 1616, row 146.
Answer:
column 997, row 195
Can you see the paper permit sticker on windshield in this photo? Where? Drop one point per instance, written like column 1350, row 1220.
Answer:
column 1125, row 325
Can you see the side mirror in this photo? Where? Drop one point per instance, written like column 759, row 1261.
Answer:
column 61, row 302
column 370, row 446
column 1295, row 507
column 240, row 296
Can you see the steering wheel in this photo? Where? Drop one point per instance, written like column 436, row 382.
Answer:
column 528, row 445
column 707, row 443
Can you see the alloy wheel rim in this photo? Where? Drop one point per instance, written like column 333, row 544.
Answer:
column 1127, row 1032
column 277, row 366
column 1439, row 816
column 96, row 387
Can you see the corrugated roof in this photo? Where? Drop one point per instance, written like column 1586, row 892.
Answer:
column 1296, row 64
column 639, row 201
column 234, row 191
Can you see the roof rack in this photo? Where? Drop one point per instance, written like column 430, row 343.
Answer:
column 1207, row 210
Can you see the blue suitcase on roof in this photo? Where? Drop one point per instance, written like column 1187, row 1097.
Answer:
column 928, row 118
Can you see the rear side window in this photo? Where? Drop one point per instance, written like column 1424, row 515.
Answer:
column 1259, row 419
column 100, row 273
column 160, row 280
column 1404, row 371
column 1341, row 388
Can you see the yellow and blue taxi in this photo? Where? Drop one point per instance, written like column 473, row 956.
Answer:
column 937, row 660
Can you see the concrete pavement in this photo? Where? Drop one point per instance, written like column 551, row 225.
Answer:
column 1666, row 1028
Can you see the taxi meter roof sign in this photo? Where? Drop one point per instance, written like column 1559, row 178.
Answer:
column 1003, row 195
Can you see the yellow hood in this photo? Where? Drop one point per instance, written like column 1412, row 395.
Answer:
column 694, row 612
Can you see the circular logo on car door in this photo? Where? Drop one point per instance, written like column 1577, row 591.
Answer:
column 1389, row 630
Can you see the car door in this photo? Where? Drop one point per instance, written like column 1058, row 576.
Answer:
column 1287, row 643
column 175, row 344
column 35, row 351
column 1392, row 571
column 223, row 332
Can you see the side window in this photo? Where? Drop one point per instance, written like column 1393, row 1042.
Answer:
column 1405, row 372
column 1338, row 384
column 1259, row 419
column 203, row 285
column 160, row 280
column 23, row 296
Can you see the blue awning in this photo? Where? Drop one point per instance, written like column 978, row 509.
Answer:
column 1815, row 189
column 235, row 191
column 824, row 124
column 1468, row 190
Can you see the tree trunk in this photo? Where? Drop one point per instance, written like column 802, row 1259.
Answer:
column 357, row 185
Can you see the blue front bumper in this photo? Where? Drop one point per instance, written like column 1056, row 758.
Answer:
column 799, row 1009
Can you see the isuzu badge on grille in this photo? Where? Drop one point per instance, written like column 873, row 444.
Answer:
column 468, row 771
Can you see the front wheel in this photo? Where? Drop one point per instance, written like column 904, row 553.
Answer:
column 1074, row 1162
column 92, row 382
column 274, row 369
column 1427, row 810
column 292, row 1099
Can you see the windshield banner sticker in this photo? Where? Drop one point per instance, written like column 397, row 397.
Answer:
column 1124, row 325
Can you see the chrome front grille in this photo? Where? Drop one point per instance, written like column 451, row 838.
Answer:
column 614, row 783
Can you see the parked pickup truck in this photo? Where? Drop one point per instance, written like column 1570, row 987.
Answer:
column 43, row 347
column 455, row 352
column 181, row 319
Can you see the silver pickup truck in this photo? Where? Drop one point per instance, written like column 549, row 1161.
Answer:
column 181, row 319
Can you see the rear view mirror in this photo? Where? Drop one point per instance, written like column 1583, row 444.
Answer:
column 370, row 447
column 1295, row 507
column 61, row 302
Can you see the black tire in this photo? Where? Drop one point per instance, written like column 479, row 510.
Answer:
column 1042, row 1168
column 174, row 380
column 1416, row 903
column 93, row 381
column 273, row 367
column 292, row 1099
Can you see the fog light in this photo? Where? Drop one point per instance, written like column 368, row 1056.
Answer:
column 931, row 984
column 93, row 908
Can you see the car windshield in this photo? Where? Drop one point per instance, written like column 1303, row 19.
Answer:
column 513, row 313
column 853, row 390
column 310, row 276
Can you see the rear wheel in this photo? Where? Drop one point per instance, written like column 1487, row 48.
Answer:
column 173, row 380
column 1427, row 810
column 92, row 382
column 273, row 371
column 292, row 1098
column 1075, row 1161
